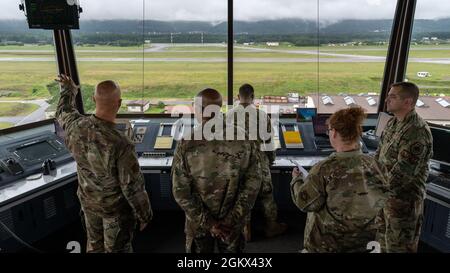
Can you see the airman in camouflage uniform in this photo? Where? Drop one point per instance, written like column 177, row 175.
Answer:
column 405, row 149
column 216, row 183
column 242, row 115
column 110, row 185
column 342, row 195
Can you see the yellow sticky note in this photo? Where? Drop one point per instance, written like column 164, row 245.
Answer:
column 292, row 137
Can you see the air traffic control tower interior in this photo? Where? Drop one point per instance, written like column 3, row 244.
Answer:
column 39, row 207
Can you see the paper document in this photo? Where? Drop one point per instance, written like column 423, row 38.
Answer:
column 300, row 168
column 163, row 143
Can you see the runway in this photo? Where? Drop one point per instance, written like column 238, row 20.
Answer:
column 315, row 55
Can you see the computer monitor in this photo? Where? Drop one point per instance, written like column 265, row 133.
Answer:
column 320, row 124
column 167, row 130
column 306, row 114
column 289, row 127
column 124, row 127
column 383, row 119
column 441, row 145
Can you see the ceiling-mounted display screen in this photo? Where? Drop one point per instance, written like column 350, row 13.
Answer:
column 52, row 14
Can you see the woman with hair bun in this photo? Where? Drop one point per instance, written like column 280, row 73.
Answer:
column 342, row 194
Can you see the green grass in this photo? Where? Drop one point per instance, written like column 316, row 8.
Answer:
column 4, row 125
column 18, row 79
column 27, row 47
column 197, row 48
column 25, row 54
column 184, row 80
column 12, row 109
column 417, row 51
column 164, row 54
column 284, row 46
column 429, row 54
column 413, row 53
column 51, row 47
column 119, row 48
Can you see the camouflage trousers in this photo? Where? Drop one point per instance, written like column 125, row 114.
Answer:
column 400, row 227
column 265, row 196
column 205, row 243
column 111, row 234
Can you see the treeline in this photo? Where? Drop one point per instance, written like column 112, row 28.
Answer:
column 281, row 26
column 138, row 39
column 295, row 31
column 26, row 38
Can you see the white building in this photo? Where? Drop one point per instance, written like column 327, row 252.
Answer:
column 138, row 106
column 273, row 44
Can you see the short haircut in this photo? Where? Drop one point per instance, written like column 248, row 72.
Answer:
column 407, row 90
column 246, row 91
column 107, row 89
column 210, row 96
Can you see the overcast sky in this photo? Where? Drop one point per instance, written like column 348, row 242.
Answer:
column 216, row 10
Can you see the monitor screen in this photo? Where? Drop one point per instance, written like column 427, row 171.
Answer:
column 289, row 127
column 124, row 127
column 52, row 14
column 320, row 124
column 167, row 130
column 59, row 131
column 37, row 150
column 383, row 119
column 441, row 144
column 306, row 114
column 121, row 127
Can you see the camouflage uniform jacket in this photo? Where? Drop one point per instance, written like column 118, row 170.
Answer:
column 109, row 177
column 405, row 149
column 246, row 110
column 215, row 180
column 342, row 195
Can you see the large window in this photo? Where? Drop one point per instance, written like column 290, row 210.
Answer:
column 27, row 69
column 187, row 52
column 353, row 44
column 276, row 51
column 326, row 54
column 109, row 46
column 429, row 60
column 160, row 52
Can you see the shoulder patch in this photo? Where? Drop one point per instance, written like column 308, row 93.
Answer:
column 304, row 196
column 417, row 148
